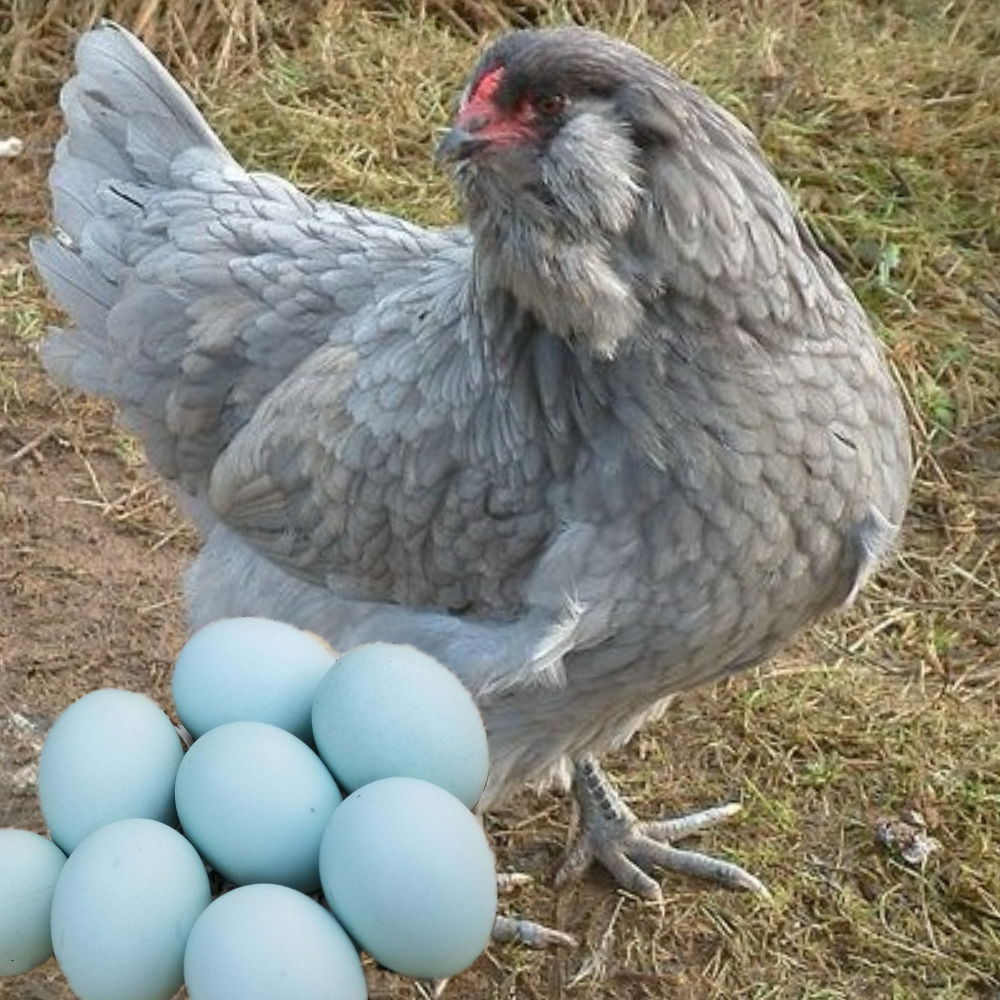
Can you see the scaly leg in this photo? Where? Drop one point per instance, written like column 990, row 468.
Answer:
column 630, row 849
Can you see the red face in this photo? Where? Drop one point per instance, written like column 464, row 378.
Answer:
column 482, row 123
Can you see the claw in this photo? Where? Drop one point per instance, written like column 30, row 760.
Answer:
column 629, row 849
column 649, row 853
column 684, row 826
column 530, row 933
column 577, row 861
column 525, row 931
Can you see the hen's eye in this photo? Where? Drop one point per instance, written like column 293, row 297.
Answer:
column 551, row 105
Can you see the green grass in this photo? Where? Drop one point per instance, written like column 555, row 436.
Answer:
column 23, row 313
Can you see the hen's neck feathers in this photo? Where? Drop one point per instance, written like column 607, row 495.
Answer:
column 621, row 221
column 552, row 239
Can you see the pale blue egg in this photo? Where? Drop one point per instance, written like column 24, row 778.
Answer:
column 122, row 910
column 387, row 710
column 249, row 670
column 111, row 755
column 29, row 868
column 269, row 942
column 407, row 870
column 255, row 800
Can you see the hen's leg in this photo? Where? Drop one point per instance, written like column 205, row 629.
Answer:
column 630, row 849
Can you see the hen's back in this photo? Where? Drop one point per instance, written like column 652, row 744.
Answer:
column 195, row 287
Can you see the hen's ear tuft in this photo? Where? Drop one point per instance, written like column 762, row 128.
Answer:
column 654, row 120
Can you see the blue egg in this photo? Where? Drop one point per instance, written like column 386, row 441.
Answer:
column 387, row 710
column 122, row 910
column 111, row 755
column 249, row 670
column 269, row 942
column 255, row 800
column 407, row 870
column 29, row 868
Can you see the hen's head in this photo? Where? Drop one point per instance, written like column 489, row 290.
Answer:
column 584, row 165
column 548, row 119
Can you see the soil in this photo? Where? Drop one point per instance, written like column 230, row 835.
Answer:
column 89, row 600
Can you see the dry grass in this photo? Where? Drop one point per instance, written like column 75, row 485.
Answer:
column 885, row 121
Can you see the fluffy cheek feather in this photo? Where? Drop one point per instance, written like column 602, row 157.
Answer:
column 551, row 222
column 593, row 153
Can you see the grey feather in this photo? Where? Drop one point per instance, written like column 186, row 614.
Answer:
column 627, row 434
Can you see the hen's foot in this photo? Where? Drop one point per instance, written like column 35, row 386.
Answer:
column 525, row 931
column 530, row 933
column 630, row 849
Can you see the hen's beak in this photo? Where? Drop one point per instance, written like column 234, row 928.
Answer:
column 458, row 144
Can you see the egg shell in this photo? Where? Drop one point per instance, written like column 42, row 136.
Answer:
column 269, row 942
column 29, row 868
column 386, row 710
column 111, row 755
column 249, row 670
column 255, row 800
column 407, row 870
column 122, row 910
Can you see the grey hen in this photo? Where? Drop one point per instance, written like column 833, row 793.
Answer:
column 625, row 435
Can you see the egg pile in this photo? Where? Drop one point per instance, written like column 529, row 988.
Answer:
column 350, row 776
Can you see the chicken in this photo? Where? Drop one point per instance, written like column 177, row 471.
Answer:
column 625, row 434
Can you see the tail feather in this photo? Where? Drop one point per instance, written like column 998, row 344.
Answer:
column 77, row 359
column 74, row 183
column 127, row 123
column 194, row 287
column 125, row 115
column 79, row 289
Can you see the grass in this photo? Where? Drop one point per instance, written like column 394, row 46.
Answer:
column 24, row 314
column 884, row 121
